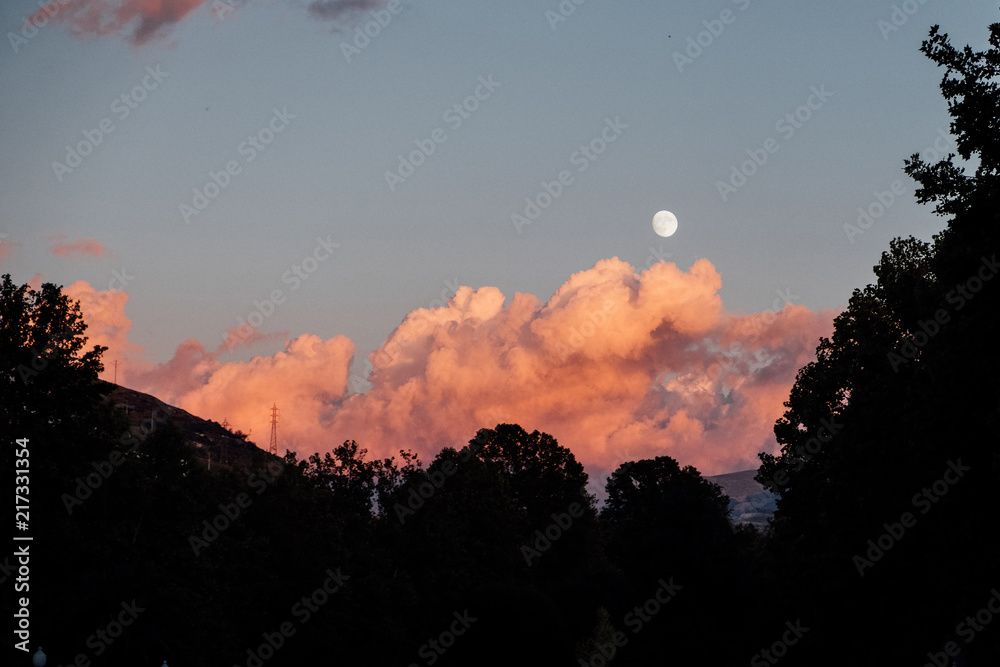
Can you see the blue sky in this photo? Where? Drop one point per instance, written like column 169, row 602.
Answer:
column 323, row 176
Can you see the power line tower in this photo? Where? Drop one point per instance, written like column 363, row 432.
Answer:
column 225, row 441
column 273, row 448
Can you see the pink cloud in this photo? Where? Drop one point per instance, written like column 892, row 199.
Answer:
column 67, row 249
column 142, row 21
column 306, row 379
column 616, row 363
column 107, row 324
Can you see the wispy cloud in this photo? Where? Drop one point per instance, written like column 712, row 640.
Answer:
column 142, row 21
column 78, row 247
column 139, row 20
column 7, row 248
column 333, row 10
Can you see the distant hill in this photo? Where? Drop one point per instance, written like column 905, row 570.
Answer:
column 215, row 445
column 749, row 502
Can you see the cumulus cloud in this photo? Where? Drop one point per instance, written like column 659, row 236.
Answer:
column 107, row 325
column 62, row 248
column 306, row 380
column 618, row 365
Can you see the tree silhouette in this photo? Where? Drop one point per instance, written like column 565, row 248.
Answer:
column 888, row 407
column 667, row 522
column 47, row 375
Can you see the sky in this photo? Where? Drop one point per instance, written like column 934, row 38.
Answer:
column 404, row 221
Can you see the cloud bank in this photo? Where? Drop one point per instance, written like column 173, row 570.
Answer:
column 617, row 365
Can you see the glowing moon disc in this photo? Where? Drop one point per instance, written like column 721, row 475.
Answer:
column 665, row 223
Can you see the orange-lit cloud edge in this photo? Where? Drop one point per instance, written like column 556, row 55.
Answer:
column 618, row 365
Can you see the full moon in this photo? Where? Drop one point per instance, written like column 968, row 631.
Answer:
column 665, row 223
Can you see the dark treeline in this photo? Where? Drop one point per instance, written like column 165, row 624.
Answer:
column 882, row 551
